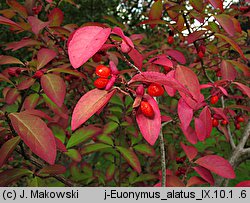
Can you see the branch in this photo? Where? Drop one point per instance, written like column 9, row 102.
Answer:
column 163, row 160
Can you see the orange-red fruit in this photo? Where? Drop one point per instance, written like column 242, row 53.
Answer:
column 214, row 99
column 240, row 119
column 237, row 126
column 200, row 54
column 147, row 109
column 101, row 83
column 224, row 122
column 102, row 71
column 155, row 90
column 38, row 74
column 170, row 39
column 215, row 122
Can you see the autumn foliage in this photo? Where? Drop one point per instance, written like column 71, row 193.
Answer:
column 99, row 104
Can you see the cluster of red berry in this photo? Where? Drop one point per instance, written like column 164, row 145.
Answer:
column 103, row 72
column 154, row 90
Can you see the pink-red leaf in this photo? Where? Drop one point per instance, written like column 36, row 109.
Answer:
column 36, row 135
column 217, row 4
column 232, row 43
column 245, row 89
column 56, row 17
column 9, row 60
column 195, row 35
column 190, row 151
column 88, row 105
column 206, row 118
column 205, row 174
column 227, row 71
column 44, row 56
column 136, row 57
column 240, row 66
column 85, row 42
column 174, row 181
column 7, row 149
column 199, row 129
column 12, row 96
column 171, row 91
column 36, row 24
column 130, row 157
column 189, row 134
column 177, row 55
column 54, row 87
column 195, row 180
column 53, row 169
column 20, row 44
column 245, row 183
column 25, row 84
column 217, row 164
column 6, row 21
column 118, row 31
column 31, row 101
column 149, row 127
column 227, row 23
column 161, row 60
column 185, row 113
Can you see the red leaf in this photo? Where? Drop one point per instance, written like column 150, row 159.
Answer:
column 245, row 183
column 6, row 21
column 88, row 105
column 205, row 174
column 220, row 112
column 60, row 146
column 54, row 87
column 206, row 118
column 171, row 91
column 44, row 56
column 189, row 134
column 36, row 135
column 217, row 4
column 218, row 165
column 9, row 60
column 195, row 181
column 25, row 84
column 226, row 22
column 197, row 5
column 118, row 31
column 53, row 169
column 177, row 55
column 7, row 149
column 19, row 8
column 174, row 181
column 199, row 129
column 161, row 60
column 11, row 96
column 38, row 113
column 130, row 157
column 185, row 113
column 36, row 24
column 243, row 88
column 85, row 42
column 55, row 17
column 31, row 101
column 20, row 44
column 190, row 151
column 232, row 43
column 160, row 78
column 136, row 57
column 227, row 71
column 195, row 35
column 240, row 66
column 153, row 22
column 149, row 127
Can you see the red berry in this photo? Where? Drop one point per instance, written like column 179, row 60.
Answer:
column 224, row 122
column 167, row 68
column 214, row 99
column 38, row 74
column 67, row 78
column 218, row 73
column 240, row 119
column 237, row 126
column 102, row 71
column 155, row 90
column 12, row 72
column 97, row 58
column 101, row 83
column 215, row 122
column 170, row 39
column 18, row 71
column 200, row 54
column 147, row 109
column 180, row 160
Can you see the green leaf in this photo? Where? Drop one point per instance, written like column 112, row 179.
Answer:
column 94, row 147
column 105, row 139
column 145, row 149
column 11, row 175
column 74, row 155
column 82, row 135
column 145, row 177
column 7, row 149
column 110, row 172
column 116, row 100
column 58, row 131
column 110, row 127
column 130, row 157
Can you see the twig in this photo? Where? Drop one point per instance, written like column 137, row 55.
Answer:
column 197, row 49
column 163, row 160
column 228, row 127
